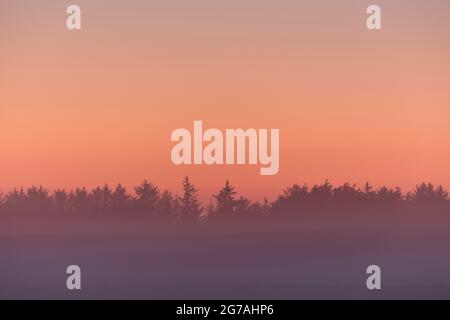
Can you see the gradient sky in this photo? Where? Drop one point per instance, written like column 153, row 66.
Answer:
column 98, row 105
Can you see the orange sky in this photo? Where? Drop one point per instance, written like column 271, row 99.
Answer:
column 98, row 105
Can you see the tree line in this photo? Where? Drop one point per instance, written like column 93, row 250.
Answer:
column 149, row 200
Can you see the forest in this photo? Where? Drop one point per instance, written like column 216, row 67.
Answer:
column 148, row 200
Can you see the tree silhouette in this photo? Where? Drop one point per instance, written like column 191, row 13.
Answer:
column 321, row 193
column 167, row 205
column 387, row 195
column 147, row 198
column 347, row 194
column 190, row 205
column 265, row 208
column 120, row 200
column 79, row 200
column 101, row 199
column 242, row 205
column 426, row 193
column 295, row 200
column 225, row 202
column 15, row 201
column 60, row 201
column 37, row 200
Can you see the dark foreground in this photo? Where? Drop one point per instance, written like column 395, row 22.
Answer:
column 267, row 258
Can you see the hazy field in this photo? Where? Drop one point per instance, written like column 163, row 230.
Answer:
column 276, row 258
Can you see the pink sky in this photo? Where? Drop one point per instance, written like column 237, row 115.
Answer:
column 99, row 105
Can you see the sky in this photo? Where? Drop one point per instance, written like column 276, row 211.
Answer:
column 95, row 106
